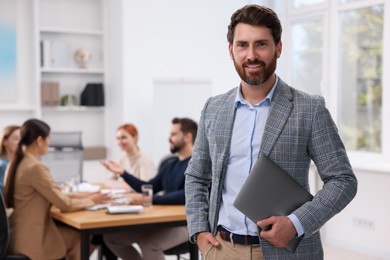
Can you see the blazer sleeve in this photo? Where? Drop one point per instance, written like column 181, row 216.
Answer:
column 329, row 155
column 44, row 184
column 198, row 180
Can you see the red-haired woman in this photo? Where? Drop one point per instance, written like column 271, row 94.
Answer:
column 132, row 159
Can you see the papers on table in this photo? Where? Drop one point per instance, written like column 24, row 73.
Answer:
column 125, row 209
column 114, row 202
column 87, row 187
column 115, row 191
column 98, row 206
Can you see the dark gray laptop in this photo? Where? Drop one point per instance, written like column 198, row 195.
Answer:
column 270, row 191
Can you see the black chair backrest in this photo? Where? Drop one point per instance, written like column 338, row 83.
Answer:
column 165, row 159
column 4, row 227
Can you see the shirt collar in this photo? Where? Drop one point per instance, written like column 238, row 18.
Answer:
column 241, row 101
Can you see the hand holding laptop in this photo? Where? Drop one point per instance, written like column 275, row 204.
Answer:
column 269, row 192
column 279, row 232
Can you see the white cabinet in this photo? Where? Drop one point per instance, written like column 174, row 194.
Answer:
column 65, row 29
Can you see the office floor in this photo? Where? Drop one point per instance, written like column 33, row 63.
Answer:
column 331, row 253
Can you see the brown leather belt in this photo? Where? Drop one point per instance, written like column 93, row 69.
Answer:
column 237, row 239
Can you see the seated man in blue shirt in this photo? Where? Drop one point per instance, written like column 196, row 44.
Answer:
column 170, row 180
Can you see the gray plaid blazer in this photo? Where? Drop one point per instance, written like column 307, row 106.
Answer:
column 299, row 129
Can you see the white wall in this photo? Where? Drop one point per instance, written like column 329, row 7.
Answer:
column 24, row 104
column 115, row 73
column 175, row 40
column 364, row 225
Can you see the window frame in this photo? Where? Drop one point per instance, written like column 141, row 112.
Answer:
column 329, row 12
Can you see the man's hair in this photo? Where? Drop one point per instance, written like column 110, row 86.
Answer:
column 258, row 16
column 187, row 126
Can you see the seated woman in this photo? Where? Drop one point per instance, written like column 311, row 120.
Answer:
column 31, row 191
column 132, row 159
column 9, row 140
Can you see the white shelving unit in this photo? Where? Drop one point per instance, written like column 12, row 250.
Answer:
column 66, row 26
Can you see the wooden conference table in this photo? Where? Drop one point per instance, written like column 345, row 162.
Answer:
column 98, row 222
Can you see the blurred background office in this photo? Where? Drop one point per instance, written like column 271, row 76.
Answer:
column 155, row 60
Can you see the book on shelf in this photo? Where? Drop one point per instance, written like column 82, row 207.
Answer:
column 56, row 54
column 50, row 93
column 46, row 51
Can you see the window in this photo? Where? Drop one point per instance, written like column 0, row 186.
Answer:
column 360, row 78
column 307, row 55
column 303, row 3
column 335, row 48
column 347, row 1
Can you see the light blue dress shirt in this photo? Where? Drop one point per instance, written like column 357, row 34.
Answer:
column 248, row 129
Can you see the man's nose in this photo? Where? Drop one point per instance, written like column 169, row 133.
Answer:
column 251, row 54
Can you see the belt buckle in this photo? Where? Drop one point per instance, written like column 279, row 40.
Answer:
column 231, row 238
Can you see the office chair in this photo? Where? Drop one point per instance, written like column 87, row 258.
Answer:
column 184, row 248
column 165, row 159
column 5, row 234
column 65, row 156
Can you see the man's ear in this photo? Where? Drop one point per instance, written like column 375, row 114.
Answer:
column 188, row 137
column 279, row 49
column 230, row 48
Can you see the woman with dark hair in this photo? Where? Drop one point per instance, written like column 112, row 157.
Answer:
column 9, row 139
column 31, row 191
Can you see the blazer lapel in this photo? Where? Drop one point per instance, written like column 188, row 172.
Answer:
column 225, row 121
column 281, row 107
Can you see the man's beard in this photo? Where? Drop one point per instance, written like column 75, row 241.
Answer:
column 177, row 147
column 260, row 78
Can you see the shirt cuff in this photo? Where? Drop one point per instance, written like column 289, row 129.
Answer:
column 297, row 224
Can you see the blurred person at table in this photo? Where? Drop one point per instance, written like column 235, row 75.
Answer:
column 134, row 162
column 9, row 139
column 132, row 159
column 170, row 181
column 31, row 192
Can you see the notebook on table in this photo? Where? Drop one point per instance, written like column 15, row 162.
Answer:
column 270, row 191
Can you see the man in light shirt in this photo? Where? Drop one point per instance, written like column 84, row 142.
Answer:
column 263, row 115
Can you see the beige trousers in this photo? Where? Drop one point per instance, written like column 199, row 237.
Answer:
column 72, row 241
column 152, row 242
column 229, row 251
